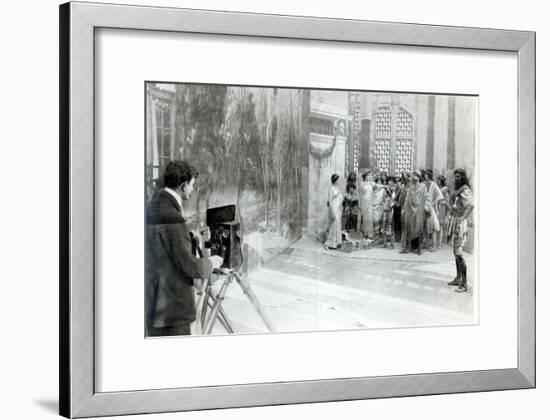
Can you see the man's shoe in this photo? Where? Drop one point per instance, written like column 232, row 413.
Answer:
column 404, row 251
column 461, row 289
column 418, row 251
column 455, row 282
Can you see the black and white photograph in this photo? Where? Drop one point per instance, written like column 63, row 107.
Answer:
column 277, row 209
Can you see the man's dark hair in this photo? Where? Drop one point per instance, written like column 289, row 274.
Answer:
column 177, row 172
column 352, row 177
column 427, row 174
column 464, row 176
column 441, row 180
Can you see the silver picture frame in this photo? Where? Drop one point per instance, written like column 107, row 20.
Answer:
column 78, row 23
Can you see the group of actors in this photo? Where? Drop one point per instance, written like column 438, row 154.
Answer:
column 411, row 209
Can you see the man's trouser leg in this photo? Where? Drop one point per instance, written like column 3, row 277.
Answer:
column 183, row 329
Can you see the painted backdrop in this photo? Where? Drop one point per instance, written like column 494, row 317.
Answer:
column 245, row 144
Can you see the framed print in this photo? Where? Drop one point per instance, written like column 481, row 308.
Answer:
column 312, row 203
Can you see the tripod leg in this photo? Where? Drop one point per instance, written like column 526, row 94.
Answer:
column 201, row 303
column 224, row 320
column 204, row 308
column 249, row 293
column 217, row 304
column 222, row 316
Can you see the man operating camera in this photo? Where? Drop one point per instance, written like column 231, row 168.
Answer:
column 171, row 263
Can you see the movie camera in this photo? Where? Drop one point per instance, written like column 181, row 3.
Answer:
column 223, row 236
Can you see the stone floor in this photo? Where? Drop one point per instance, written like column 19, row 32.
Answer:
column 308, row 288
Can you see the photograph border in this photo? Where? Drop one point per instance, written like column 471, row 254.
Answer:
column 78, row 22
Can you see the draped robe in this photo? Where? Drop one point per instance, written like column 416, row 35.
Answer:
column 415, row 204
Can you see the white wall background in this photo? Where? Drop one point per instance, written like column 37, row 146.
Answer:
column 29, row 210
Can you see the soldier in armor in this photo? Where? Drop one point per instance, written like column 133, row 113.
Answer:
column 461, row 202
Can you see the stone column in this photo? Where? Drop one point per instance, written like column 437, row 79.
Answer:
column 451, row 149
column 420, row 131
column 441, row 133
column 355, row 152
column 429, row 162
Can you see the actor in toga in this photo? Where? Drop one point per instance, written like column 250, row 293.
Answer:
column 414, row 209
column 431, row 224
column 334, row 239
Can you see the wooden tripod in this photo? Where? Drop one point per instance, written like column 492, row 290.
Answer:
column 209, row 305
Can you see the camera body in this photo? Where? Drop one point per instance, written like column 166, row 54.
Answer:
column 225, row 241
column 225, row 236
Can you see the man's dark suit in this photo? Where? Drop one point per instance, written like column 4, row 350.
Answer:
column 171, row 266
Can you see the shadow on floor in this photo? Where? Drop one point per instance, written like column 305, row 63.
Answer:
column 49, row 405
